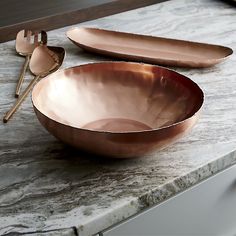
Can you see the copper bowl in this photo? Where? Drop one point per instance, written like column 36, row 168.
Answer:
column 117, row 109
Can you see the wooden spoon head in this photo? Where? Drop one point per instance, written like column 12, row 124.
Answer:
column 27, row 41
column 46, row 59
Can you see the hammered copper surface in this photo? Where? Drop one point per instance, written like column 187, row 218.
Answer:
column 143, row 48
column 117, row 109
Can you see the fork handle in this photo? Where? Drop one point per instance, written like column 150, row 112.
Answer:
column 22, row 75
column 20, row 100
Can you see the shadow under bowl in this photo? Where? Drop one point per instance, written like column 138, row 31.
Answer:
column 117, row 109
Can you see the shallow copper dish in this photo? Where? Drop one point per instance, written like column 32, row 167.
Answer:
column 117, row 109
column 144, row 48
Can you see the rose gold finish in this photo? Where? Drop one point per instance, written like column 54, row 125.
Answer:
column 149, row 49
column 44, row 61
column 117, row 109
column 20, row 100
column 116, row 125
column 22, row 76
column 25, row 47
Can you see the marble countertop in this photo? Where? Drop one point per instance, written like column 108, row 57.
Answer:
column 49, row 188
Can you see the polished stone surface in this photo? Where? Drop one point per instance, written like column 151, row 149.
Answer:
column 47, row 186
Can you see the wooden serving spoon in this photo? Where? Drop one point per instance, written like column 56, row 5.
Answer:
column 44, row 60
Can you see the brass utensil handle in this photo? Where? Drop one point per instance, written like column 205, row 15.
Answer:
column 22, row 75
column 20, row 99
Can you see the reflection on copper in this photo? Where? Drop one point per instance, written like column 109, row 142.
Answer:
column 117, row 109
column 143, row 48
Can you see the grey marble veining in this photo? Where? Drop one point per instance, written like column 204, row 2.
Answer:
column 46, row 186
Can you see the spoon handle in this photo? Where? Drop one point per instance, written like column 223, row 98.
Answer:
column 22, row 75
column 20, row 99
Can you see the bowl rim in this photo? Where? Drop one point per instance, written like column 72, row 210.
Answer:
column 121, row 132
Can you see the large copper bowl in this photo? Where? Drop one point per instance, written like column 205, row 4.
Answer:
column 117, row 109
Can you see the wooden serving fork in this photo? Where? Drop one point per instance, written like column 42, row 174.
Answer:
column 26, row 42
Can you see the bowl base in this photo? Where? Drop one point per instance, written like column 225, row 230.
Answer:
column 117, row 125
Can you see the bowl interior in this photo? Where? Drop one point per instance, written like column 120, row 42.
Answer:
column 117, row 97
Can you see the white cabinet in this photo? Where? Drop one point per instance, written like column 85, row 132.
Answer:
column 207, row 209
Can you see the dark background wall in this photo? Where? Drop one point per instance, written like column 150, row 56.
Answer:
column 15, row 11
column 49, row 14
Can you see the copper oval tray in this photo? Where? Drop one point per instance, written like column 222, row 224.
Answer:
column 117, row 109
column 157, row 50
